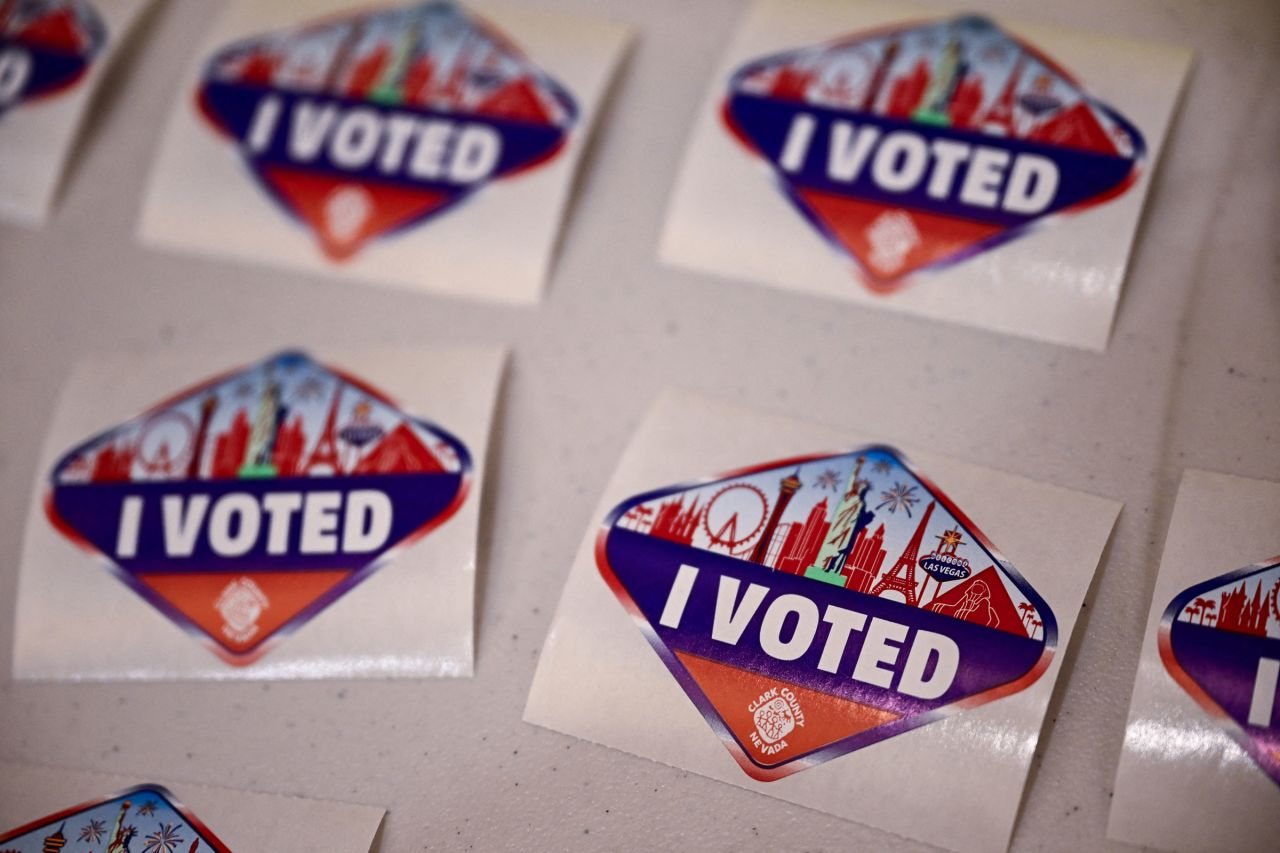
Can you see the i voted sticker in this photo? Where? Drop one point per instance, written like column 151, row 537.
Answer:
column 45, row 47
column 1220, row 640
column 366, row 125
column 917, row 146
column 146, row 815
column 244, row 506
column 813, row 606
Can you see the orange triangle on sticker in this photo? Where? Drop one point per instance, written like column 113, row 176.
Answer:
column 891, row 242
column 345, row 214
column 776, row 721
column 241, row 609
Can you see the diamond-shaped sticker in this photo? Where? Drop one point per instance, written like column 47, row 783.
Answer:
column 146, row 814
column 365, row 125
column 45, row 47
column 242, row 507
column 918, row 146
column 1220, row 640
column 813, row 606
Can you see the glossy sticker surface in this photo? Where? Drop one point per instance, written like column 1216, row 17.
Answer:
column 362, row 125
column 987, row 171
column 1220, row 640
column 244, row 506
column 813, row 606
column 920, row 145
column 45, row 47
column 144, row 819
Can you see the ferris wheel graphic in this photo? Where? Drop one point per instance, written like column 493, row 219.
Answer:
column 743, row 509
column 1275, row 600
column 164, row 443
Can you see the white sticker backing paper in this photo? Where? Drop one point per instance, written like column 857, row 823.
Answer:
column 988, row 172
column 1200, row 769
column 827, row 626
column 42, row 809
column 53, row 54
column 294, row 515
column 428, row 145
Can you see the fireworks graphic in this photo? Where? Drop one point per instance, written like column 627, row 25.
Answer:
column 882, row 466
column 900, row 497
column 310, row 388
column 93, row 831
column 164, row 840
column 828, row 479
column 146, row 809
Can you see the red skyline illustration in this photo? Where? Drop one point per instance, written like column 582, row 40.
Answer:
column 395, row 451
column 796, row 547
column 1076, row 126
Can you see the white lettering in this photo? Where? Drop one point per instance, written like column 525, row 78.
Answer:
column 239, row 511
column 1264, row 692
column 182, row 526
column 776, row 617
column 947, row 155
column 678, row 597
column 842, row 621
column 356, row 139
column 368, row 521
column 311, row 126
column 946, row 655
column 15, row 70
column 280, row 508
column 981, row 187
column 796, row 146
column 130, row 519
column 475, row 153
column 900, row 162
column 400, row 130
column 876, row 649
column 1032, row 184
column 845, row 160
column 428, row 156
column 263, row 128
column 731, row 619
column 320, row 523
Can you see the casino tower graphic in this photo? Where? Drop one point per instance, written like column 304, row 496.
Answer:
column 286, row 432
column 859, row 539
column 959, row 86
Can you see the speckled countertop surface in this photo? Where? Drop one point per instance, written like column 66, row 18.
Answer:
column 1191, row 379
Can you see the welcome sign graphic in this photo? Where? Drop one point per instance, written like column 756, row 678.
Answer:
column 244, row 506
column 366, row 125
column 920, row 145
column 1220, row 640
column 813, row 606
column 45, row 47
column 146, row 815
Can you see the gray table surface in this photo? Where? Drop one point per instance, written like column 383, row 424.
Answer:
column 1190, row 380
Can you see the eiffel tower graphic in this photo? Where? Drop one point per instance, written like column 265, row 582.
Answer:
column 1000, row 118
column 325, row 453
column 902, row 577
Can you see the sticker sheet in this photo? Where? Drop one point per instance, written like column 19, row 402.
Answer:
column 43, row 810
column 428, row 145
column 945, row 164
column 1200, row 769
column 53, row 54
column 827, row 626
column 298, row 515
